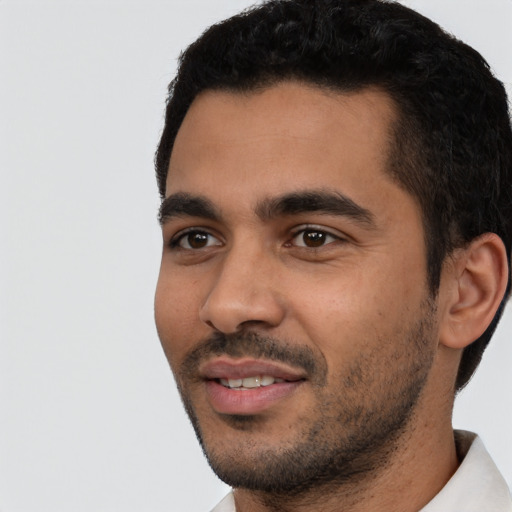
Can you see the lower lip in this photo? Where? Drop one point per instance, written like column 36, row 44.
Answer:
column 249, row 401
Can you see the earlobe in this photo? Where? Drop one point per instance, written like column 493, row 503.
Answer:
column 478, row 277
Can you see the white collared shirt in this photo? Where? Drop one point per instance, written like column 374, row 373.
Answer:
column 476, row 486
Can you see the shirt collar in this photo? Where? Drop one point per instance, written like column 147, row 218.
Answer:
column 476, row 485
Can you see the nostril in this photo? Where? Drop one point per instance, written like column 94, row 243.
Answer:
column 209, row 323
column 250, row 323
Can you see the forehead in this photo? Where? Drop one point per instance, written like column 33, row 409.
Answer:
column 280, row 139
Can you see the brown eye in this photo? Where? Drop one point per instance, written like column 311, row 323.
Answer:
column 197, row 240
column 194, row 240
column 313, row 238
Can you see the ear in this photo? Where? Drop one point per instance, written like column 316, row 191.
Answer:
column 475, row 281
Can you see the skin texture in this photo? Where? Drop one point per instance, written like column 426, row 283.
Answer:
column 343, row 307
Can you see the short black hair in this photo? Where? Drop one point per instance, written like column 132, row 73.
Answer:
column 452, row 147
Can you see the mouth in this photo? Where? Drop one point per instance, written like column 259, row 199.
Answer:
column 244, row 373
column 247, row 386
column 250, row 382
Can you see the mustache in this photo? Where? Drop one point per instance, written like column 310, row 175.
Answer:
column 255, row 345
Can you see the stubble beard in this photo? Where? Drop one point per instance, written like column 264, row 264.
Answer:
column 352, row 433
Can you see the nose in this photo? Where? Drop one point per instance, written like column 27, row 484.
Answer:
column 245, row 293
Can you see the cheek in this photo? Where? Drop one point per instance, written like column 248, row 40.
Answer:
column 176, row 313
column 350, row 311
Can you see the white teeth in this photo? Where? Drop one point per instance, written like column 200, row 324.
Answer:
column 250, row 382
column 234, row 383
column 266, row 380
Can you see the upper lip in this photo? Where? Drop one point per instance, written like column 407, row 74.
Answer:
column 227, row 368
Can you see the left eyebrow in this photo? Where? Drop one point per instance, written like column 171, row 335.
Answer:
column 323, row 202
column 186, row 205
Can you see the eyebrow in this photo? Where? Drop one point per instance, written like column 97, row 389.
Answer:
column 315, row 201
column 186, row 205
column 321, row 202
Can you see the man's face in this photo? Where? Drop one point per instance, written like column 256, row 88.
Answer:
column 292, row 302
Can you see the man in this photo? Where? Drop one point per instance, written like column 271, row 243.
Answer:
column 337, row 222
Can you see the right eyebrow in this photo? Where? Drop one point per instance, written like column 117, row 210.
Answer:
column 186, row 205
column 319, row 201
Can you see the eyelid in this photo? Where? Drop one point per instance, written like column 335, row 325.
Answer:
column 318, row 227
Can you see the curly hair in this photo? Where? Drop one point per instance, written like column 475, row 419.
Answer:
column 452, row 147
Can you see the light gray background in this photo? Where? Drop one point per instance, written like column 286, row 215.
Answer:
column 89, row 418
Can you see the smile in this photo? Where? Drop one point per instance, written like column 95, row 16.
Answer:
column 248, row 386
column 250, row 382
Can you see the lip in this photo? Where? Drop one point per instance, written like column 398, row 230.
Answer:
column 225, row 400
column 227, row 368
